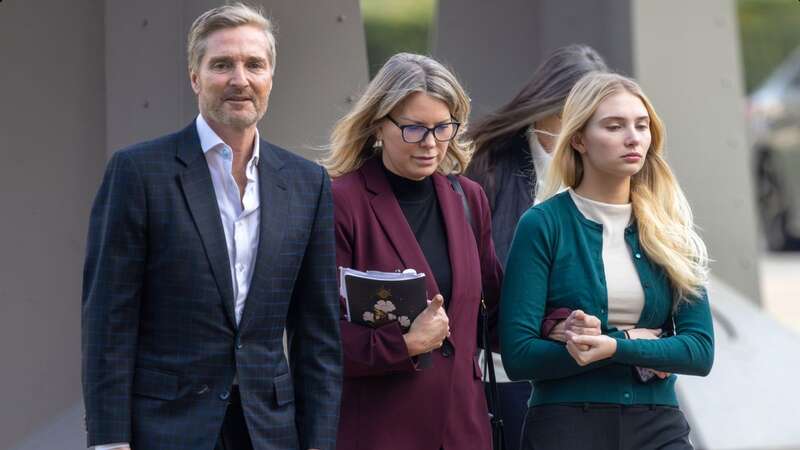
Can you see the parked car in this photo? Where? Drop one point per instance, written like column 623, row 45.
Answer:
column 774, row 121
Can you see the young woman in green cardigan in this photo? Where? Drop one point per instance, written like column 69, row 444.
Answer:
column 619, row 245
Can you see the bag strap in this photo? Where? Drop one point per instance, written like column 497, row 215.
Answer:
column 467, row 210
column 484, row 316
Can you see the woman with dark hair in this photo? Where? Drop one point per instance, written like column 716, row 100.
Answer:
column 512, row 150
column 513, row 144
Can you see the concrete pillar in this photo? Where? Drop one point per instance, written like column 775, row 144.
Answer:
column 689, row 65
column 494, row 47
column 52, row 139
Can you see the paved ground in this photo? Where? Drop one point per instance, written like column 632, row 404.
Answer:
column 780, row 287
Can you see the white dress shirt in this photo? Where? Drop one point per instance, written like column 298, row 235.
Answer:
column 240, row 216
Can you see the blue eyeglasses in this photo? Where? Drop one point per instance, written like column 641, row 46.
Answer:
column 414, row 134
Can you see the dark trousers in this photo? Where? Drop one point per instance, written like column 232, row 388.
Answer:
column 234, row 434
column 512, row 406
column 605, row 427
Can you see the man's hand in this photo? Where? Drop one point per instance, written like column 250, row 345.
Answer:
column 429, row 329
column 596, row 347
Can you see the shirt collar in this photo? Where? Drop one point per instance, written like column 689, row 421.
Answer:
column 210, row 140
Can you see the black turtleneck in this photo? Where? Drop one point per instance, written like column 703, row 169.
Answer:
column 420, row 206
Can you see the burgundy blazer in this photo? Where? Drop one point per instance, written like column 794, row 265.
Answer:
column 388, row 402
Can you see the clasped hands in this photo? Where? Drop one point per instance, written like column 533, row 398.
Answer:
column 586, row 343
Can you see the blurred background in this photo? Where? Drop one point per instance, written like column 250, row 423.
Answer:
column 84, row 78
column 770, row 37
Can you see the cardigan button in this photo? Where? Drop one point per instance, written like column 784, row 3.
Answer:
column 638, row 256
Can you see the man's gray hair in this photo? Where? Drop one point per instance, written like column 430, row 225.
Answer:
column 227, row 16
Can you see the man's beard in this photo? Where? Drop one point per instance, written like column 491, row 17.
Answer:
column 240, row 119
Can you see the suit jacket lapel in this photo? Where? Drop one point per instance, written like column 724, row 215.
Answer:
column 394, row 223
column 274, row 212
column 198, row 189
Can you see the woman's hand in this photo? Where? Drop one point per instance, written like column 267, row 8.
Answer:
column 558, row 333
column 648, row 333
column 429, row 329
column 643, row 333
column 578, row 322
column 586, row 349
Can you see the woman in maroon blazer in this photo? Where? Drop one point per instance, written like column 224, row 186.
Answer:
column 396, row 209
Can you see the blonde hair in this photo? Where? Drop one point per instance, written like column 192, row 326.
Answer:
column 662, row 212
column 222, row 17
column 353, row 136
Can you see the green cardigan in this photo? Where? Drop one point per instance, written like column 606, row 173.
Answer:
column 556, row 261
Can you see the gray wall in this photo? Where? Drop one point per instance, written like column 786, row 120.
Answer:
column 52, row 141
column 685, row 53
column 494, row 47
column 80, row 80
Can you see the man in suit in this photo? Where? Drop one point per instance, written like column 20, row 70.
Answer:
column 204, row 246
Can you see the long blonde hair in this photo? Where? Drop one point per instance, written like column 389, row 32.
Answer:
column 353, row 136
column 663, row 216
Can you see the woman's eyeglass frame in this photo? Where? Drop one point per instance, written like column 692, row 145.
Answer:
column 428, row 130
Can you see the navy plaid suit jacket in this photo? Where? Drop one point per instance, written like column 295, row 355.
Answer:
column 160, row 345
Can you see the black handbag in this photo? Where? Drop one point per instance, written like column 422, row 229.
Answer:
column 492, row 395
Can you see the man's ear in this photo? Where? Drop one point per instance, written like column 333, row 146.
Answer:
column 193, row 78
column 577, row 142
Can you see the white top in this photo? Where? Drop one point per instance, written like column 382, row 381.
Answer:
column 541, row 161
column 240, row 218
column 625, row 293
